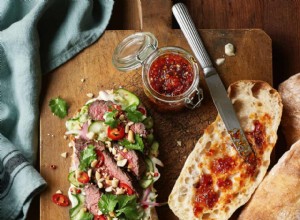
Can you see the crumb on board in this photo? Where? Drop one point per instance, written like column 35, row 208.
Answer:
column 229, row 50
column 82, row 80
column 179, row 143
column 220, row 61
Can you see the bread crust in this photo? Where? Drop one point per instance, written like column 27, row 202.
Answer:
column 251, row 100
column 290, row 93
column 277, row 197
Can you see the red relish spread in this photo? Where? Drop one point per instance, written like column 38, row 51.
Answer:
column 171, row 75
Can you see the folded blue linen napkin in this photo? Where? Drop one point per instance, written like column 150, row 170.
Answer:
column 36, row 36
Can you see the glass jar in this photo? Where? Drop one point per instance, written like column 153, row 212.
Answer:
column 170, row 75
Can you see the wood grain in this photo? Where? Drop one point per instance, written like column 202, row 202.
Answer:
column 253, row 60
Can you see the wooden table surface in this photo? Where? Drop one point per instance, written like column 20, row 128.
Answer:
column 278, row 18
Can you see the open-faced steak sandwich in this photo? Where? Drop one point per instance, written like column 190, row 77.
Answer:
column 215, row 180
column 114, row 161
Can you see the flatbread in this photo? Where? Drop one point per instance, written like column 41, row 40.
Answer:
column 215, row 181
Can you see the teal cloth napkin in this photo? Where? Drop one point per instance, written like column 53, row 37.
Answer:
column 36, row 36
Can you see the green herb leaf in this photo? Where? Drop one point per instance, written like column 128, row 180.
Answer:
column 87, row 216
column 123, row 205
column 108, row 203
column 133, row 114
column 138, row 145
column 59, row 107
column 110, row 118
column 86, row 157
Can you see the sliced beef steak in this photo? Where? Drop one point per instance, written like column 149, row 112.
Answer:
column 81, row 144
column 92, row 198
column 136, row 163
column 110, row 168
column 98, row 108
column 139, row 128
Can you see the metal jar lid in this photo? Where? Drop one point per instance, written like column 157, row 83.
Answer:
column 133, row 50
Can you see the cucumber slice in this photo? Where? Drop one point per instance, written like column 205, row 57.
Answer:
column 150, row 139
column 126, row 98
column 148, row 122
column 96, row 127
column 150, row 166
column 73, row 124
column 83, row 215
column 72, row 179
column 145, row 183
column 154, row 149
column 99, row 128
column 80, row 203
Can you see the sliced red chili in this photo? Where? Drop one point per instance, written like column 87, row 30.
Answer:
column 127, row 188
column 116, row 133
column 60, row 199
column 83, row 177
column 100, row 158
column 99, row 217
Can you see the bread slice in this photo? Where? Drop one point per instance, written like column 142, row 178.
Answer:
column 290, row 93
column 277, row 197
column 232, row 181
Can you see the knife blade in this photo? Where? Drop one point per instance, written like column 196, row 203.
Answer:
column 214, row 82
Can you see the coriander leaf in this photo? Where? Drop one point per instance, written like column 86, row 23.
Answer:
column 138, row 145
column 122, row 205
column 107, row 203
column 133, row 114
column 86, row 157
column 131, row 212
column 110, row 118
column 124, row 200
column 127, row 205
column 59, row 107
column 87, row 216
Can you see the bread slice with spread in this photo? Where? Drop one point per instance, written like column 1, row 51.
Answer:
column 215, row 180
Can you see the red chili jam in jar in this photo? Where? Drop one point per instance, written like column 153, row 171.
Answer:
column 170, row 74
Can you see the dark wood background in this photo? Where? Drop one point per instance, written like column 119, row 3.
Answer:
column 280, row 19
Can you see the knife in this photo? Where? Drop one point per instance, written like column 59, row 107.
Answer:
column 214, row 83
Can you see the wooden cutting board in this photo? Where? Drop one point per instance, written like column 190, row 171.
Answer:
column 253, row 60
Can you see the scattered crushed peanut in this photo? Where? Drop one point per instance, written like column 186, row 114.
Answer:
column 90, row 95
column 58, row 192
column 64, row 154
column 94, row 163
column 121, row 163
column 82, row 80
column 130, row 136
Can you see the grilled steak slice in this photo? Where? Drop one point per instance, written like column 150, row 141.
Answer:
column 136, row 163
column 98, row 108
column 139, row 128
column 81, row 144
column 92, row 198
column 110, row 168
